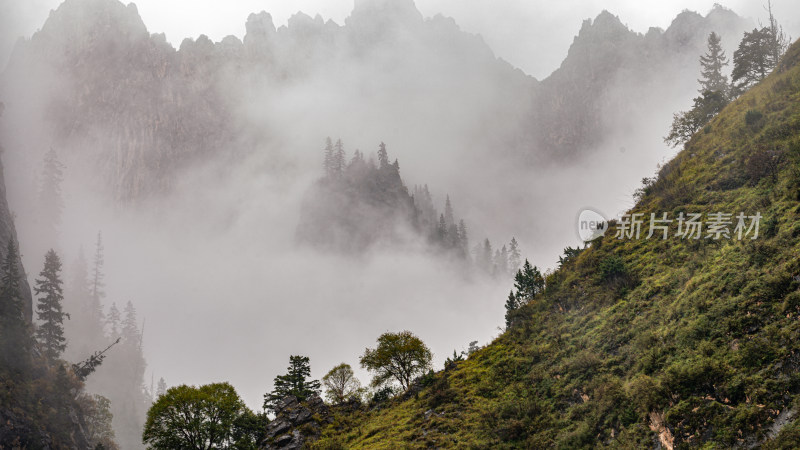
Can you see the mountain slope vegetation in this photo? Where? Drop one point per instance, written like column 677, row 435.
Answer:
column 678, row 343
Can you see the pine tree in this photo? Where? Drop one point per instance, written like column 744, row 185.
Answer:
column 686, row 123
column 448, row 212
column 51, row 202
column 50, row 332
column 463, row 238
column 161, row 388
column 712, row 64
column 512, row 304
column 113, row 320
column 296, row 382
column 85, row 329
column 441, row 230
column 15, row 337
column 751, row 61
column 98, row 284
column 528, row 282
column 329, row 158
column 130, row 329
column 338, row 158
column 501, row 261
column 10, row 292
column 514, row 256
column 383, row 156
column 452, row 237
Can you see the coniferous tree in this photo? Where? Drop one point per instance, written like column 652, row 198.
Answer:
column 329, row 158
column 50, row 332
column 463, row 238
column 686, row 123
column 161, row 388
column 130, row 328
column 441, row 230
column 383, row 156
column 338, row 158
column 452, row 237
column 15, row 339
column 528, row 282
column 295, row 382
column 712, row 63
column 484, row 258
column 98, row 277
column 448, row 212
column 751, row 61
column 511, row 305
column 10, row 298
column 51, row 202
column 84, row 331
column 113, row 321
column 501, row 261
column 514, row 256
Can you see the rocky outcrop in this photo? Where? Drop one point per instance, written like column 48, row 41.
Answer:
column 296, row 423
column 592, row 93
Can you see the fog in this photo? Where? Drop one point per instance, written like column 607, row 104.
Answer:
column 212, row 263
column 532, row 35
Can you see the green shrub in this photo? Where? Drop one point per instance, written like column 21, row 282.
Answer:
column 752, row 117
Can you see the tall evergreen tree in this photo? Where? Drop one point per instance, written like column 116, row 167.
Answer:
column 10, row 292
column 441, row 230
column 712, row 64
column 463, row 238
column 484, row 257
column 448, row 212
column 296, row 382
column 50, row 332
column 130, row 327
column 51, row 202
column 512, row 304
column 750, row 60
column 113, row 321
column 383, row 156
column 528, row 282
column 338, row 158
column 98, row 277
column 161, row 388
column 15, row 338
column 501, row 261
column 514, row 256
column 329, row 158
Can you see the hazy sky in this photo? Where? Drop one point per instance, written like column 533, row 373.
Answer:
column 531, row 34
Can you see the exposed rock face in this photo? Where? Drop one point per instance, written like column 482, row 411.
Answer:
column 9, row 233
column 594, row 89
column 296, row 423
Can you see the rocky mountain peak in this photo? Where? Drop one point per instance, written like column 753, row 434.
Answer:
column 77, row 18
column 382, row 12
column 259, row 28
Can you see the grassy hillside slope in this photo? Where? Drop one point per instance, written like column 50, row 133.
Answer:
column 690, row 343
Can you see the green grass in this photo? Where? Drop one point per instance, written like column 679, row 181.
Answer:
column 702, row 336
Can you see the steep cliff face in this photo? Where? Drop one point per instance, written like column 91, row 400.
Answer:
column 604, row 79
column 8, row 233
